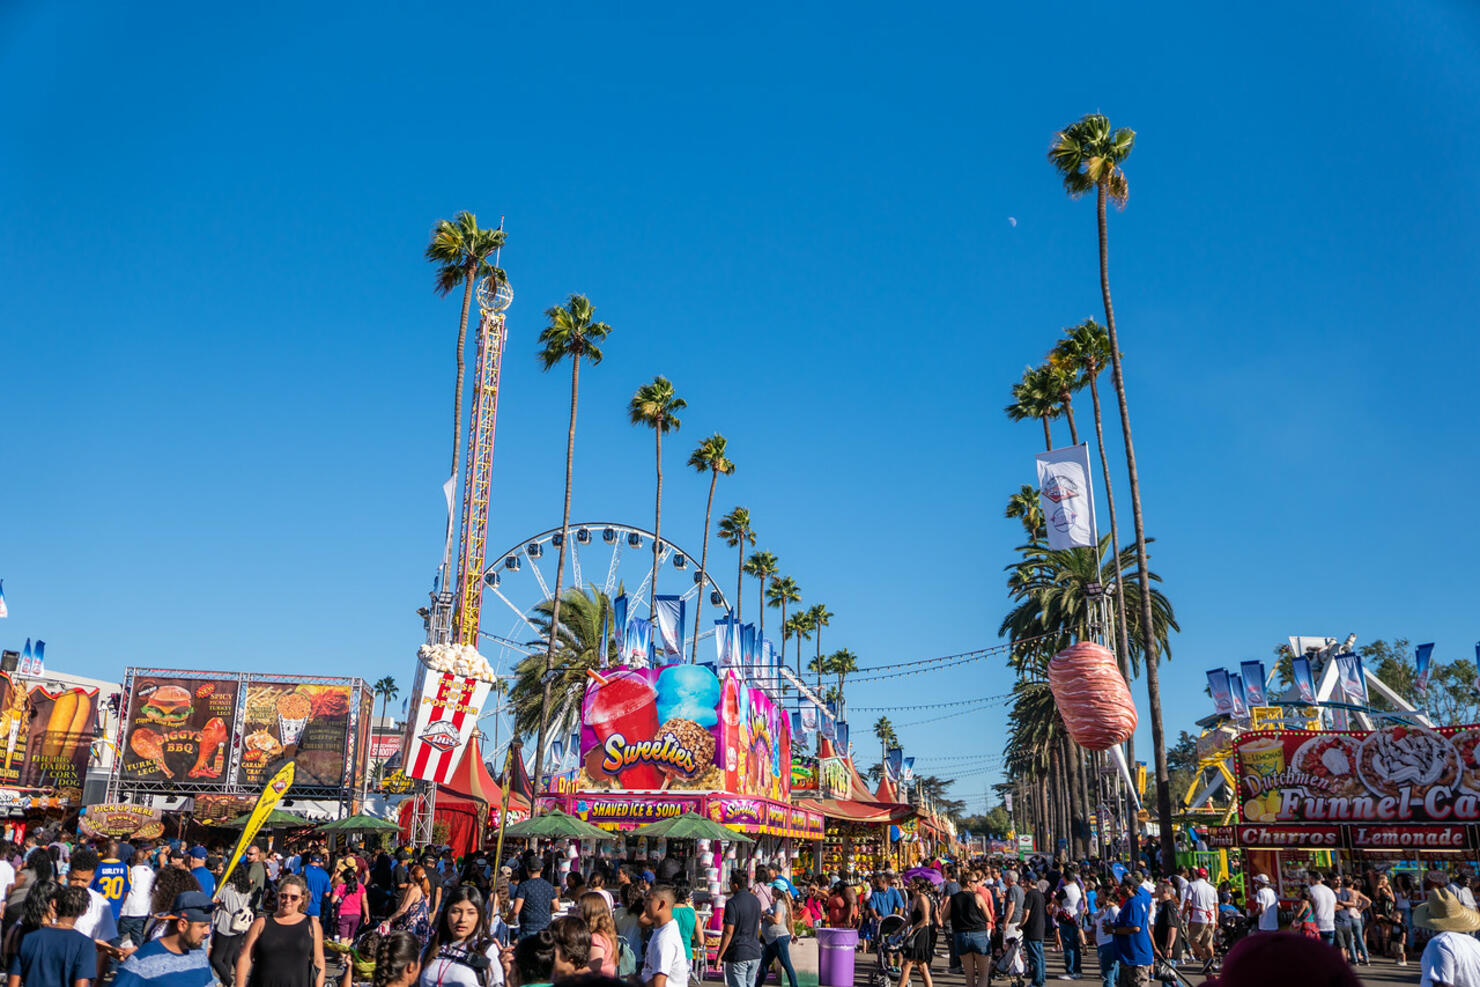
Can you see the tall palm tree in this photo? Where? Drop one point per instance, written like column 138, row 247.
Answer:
column 1027, row 508
column 1063, row 381
column 1086, row 349
column 736, row 532
column 386, row 689
column 460, row 249
column 574, row 333
column 709, row 458
column 1089, row 154
column 818, row 616
column 799, row 626
column 884, row 730
column 1035, row 396
column 783, row 592
column 762, row 565
column 842, row 663
column 554, row 701
column 656, row 406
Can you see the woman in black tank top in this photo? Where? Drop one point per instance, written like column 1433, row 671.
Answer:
column 285, row 949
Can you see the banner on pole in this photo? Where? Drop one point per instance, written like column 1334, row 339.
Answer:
column 1422, row 661
column 894, row 762
column 1236, row 690
column 809, row 717
column 1353, row 680
column 1067, row 497
column 272, row 793
column 1222, row 691
column 1305, row 682
column 669, row 613
column 907, row 770
column 637, row 641
column 1254, row 693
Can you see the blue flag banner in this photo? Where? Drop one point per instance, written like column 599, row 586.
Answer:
column 3, row 611
column 1254, row 683
column 619, row 614
column 1222, row 690
column 25, row 666
column 796, row 724
column 1236, row 690
column 637, row 641
column 907, row 770
column 894, row 761
column 809, row 717
column 727, row 642
column 38, row 663
column 668, row 612
column 1422, row 656
column 842, row 730
column 829, row 727
column 1305, row 683
column 606, row 648
column 1353, row 681
column 557, row 751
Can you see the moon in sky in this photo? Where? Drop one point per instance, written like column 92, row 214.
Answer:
column 1012, row 221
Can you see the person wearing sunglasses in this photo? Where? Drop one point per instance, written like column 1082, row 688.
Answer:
column 284, row 949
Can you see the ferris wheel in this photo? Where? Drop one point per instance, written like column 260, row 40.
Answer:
column 612, row 557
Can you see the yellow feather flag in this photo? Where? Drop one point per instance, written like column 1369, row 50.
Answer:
column 272, row 793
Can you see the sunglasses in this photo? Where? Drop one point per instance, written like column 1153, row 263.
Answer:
column 291, row 897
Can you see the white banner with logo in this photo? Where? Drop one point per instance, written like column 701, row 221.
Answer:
column 448, row 710
column 1067, row 498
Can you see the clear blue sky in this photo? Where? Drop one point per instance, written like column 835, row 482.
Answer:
column 227, row 377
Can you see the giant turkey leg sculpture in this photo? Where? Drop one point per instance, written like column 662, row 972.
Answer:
column 1094, row 700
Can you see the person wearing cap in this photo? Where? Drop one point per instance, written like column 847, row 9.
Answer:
column 318, row 883
column 1452, row 958
column 1200, row 909
column 1265, row 909
column 202, row 873
column 1132, row 933
column 178, row 957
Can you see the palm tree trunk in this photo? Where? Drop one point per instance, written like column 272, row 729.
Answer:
column 1148, row 631
column 1047, row 436
column 704, row 560
column 760, row 607
column 1122, row 634
column 657, row 531
column 570, row 458
column 739, row 578
column 457, row 406
column 1069, row 413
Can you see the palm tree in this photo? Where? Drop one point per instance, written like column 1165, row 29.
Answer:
column 461, row 251
column 574, row 333
column 762, row 565
column 1035, row 396
column 556, row 704
column 709, row 458
column 884, row 730
column 1027, row 508
column 386, row 689
column 782, row 592
column 1063, row 381
column 656, row 406
column 735, row 530
column 1086, row 349
column 842, row 663
column 799, row 626
column 818, row 616
column 1089, row 154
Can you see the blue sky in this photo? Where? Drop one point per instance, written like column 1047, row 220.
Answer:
column 228, row 377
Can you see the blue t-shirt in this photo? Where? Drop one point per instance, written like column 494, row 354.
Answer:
column 534, row 914
column 111, row 881
column 886, row 902
column 206, row 878
column 154, row 965
column 1135, row 949
column 318, row 883
column 54, row 957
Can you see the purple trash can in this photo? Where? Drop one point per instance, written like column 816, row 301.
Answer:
column 835, row 952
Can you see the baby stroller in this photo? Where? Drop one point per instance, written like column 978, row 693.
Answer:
column 1008, row 961
column 889, row 938
column 1232, row 926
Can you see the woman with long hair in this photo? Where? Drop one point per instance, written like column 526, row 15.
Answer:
column 1390, row 929
column 598, row 918
column 350, row 901
column 572, row 946
column 38, row 909
column 413, row 913
column 919, row 944
column 397, row 960
column 286, row 948
column 776, row 934
column 170, row 882
column 36, row 870
column 230, row 924
column 461, row 953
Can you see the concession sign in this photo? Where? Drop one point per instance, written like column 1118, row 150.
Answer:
column 45, row 737
column 1395, row 776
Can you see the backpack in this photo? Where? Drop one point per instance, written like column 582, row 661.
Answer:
column 240, row 918
column 626, row 958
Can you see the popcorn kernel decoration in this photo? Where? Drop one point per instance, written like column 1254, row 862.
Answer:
column 456, row 659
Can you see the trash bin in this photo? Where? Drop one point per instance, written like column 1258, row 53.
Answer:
column 835, row 951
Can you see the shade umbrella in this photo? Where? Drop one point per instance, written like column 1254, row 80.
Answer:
column 930, row 874
column 556, row 825
column 359, row 823
column 276, row 819
column 692, row 826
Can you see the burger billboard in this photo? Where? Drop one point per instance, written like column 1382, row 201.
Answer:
column 179, row 729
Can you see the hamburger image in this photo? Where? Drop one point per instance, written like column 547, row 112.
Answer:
column 169, row 704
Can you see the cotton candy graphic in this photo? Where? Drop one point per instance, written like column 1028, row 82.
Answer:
column 1092, row 696
column 688, row 692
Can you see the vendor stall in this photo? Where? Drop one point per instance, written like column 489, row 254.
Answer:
column 467, row 806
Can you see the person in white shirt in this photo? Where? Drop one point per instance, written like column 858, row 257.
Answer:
column 1103, row 921
column 1452, row 958
column 1322, row 908
column 1266, row 910
column 666, row 963
column 133, row 916
column 1201, row 911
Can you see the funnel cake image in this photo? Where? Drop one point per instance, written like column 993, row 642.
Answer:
column 293, row 710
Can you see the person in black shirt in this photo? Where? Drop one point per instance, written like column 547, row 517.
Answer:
column 1035, row 924
column 970, row 931
column 740, row 944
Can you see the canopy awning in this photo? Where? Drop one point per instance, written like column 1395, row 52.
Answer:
column 857, row 811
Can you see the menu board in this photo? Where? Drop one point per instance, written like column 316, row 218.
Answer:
column 179, row 729
column 296, row 720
